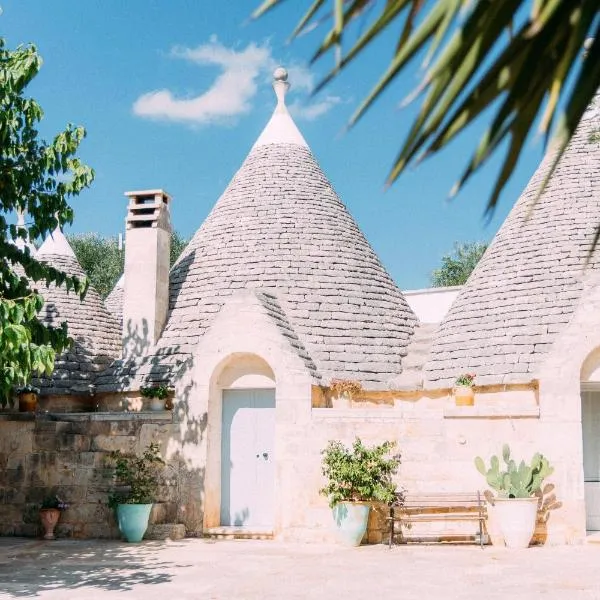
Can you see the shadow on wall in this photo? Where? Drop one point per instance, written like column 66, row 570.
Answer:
column 68, row 565
column 182, row 441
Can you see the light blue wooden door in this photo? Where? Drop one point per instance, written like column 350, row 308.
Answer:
column 247, row 460
column 590, row 420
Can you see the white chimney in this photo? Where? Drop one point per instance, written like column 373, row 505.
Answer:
column 147, row 258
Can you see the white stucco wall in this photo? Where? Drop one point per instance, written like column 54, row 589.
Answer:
column 431, row 304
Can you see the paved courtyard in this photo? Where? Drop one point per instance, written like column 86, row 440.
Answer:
column 266, row 570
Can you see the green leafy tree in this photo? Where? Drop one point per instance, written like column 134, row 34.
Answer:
column 178, row 244
column 513, row 58
column 102, row 259
column 458, row 265
column 36, row 178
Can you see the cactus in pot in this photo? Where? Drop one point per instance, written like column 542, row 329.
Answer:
column 522, row 481
column 517, row 488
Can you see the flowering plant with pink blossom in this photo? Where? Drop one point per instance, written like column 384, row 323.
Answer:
column 467, row 379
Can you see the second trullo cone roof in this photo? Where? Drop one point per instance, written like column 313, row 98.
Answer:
column 530, row 281
column 279, row 227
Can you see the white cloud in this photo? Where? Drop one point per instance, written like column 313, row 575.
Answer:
column 227, row 98
column 313, row 110
column 232, row 92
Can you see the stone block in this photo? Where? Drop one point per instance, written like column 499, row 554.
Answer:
column 108, row 443
column 124, row 427
column 73, row 442
column 45, row 441
column 165, row 531
column 27, row 529
column 104, row 530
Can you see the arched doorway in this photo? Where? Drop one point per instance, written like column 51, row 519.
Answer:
column 590, row 425
column 241, row 444
column 248, row 458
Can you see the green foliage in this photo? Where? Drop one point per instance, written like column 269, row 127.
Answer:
column 103, row 261
column 178, row 244
column 504, row 60
column 159, row 391
column 54, row 501
column 360, row 473
column 136, row 475
column 100, row 258
column 457, row 266
column 467, row 379
column 522, row 481
column 36, row 178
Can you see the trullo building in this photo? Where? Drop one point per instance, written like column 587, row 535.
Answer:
column 279, row 293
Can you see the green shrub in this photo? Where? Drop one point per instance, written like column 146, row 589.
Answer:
column 360, row 473
column 136, row 476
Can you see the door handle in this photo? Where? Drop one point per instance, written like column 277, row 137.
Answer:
column 266, row 455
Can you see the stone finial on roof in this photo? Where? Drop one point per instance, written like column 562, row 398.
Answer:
column 281, row 128
column 56, row 244
column 19, row 241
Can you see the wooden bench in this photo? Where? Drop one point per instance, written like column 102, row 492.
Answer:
column 408, row 509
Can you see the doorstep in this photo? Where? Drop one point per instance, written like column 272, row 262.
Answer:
column 238, row 533
column 592, row 537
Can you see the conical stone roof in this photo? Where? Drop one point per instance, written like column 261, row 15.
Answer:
column 281, row 228
column 96, row 334
column 114, row 301
column 529, row 282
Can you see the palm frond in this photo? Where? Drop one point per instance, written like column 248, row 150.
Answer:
column 472, row 66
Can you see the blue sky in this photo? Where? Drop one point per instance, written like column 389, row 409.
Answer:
column 174, row 94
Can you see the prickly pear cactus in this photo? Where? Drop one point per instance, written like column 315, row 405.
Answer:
column 522, row 481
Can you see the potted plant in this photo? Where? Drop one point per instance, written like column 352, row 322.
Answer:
column 342, row 392
column 518, row 490
column 357, row 477
column 157, row 394
column 137, row 478
column 28, row 398
column 464, row 394
column 50, row 510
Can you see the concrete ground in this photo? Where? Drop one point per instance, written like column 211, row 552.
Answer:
column 268, row 570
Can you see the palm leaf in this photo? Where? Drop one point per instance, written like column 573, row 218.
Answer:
column 522, row 77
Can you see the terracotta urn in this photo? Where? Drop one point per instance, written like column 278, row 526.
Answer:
column 464, row 395
column 28, row 401
column 49, row 518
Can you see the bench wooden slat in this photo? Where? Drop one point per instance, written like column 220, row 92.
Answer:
column 426, row 518
column 422, row 508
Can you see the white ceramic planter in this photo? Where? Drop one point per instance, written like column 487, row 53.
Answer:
column 516, row 518
column 157, row 404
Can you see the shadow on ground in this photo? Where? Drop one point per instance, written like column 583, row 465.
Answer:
column 29, row 568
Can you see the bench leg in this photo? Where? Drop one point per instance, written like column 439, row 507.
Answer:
column 481, row 533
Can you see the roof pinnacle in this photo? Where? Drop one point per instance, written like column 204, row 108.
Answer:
column 280, row 85
column 281, row 128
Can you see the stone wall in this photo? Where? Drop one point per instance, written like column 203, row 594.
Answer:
column 65, row 455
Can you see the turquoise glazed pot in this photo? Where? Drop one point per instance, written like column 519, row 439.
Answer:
column 133, row 520
column 351, row 520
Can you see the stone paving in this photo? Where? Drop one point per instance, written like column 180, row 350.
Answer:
column 267, row 570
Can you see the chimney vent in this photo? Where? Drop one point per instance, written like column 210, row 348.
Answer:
column 147, row 257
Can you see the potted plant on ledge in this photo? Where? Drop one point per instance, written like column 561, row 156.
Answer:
column 343, row 391
column 518, row 490
column 357, row 477
column 464, row 394
column 158, row 395
column 28, row 397
column 137, row 478
column 50, row 511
